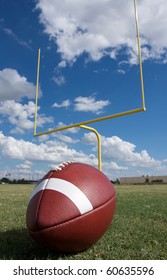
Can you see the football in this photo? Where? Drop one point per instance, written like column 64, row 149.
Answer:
column 71, row 207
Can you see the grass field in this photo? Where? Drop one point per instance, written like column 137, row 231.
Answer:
column 138, row 231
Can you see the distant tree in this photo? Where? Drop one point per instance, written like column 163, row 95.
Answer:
column 5, row 180
column 117, row 181
column 147, row 180
column 22, row 181
column 14, row 181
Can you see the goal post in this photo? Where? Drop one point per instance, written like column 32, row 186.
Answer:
column 84, row 124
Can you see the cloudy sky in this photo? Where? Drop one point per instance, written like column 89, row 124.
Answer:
column 89, row 69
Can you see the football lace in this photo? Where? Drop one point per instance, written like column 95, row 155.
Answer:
column 62, row 166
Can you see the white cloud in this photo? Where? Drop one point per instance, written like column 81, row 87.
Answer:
column 119, row 157
column 124, row 151
column 62, row 64
column 43, row 138
column 66, row 139
column 65, row 103
column 114, row 149
column 60, row 80
column 26, row 165
column 103, row 27
column 21, row 116
column 121, row 72
column 89, row 104
column 50, row 151
column 14, row 86
column 114, row 166
column 84, row 104
column 10, row 33
column 42, row 119
column 17, row 130
column 72, row 130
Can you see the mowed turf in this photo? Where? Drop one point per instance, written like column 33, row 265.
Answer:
column 138, row 231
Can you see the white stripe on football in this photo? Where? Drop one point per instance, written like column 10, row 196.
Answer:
column 68, row 189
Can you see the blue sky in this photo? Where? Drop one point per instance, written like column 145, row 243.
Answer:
column 89, row 69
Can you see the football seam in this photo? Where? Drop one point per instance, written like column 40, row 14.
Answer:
column 39, row 205
column 67, row 164
column 76, row 218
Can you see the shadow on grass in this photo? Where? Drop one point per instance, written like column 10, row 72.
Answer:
column 18, row 245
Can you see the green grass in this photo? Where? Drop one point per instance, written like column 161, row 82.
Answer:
column 138, row 231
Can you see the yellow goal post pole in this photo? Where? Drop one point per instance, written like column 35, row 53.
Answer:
column 37, row 94
column 85, row 123
column 98, row 143
column 142, row 108
column 139, row 55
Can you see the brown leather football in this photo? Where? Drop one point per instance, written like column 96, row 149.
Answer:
column 71, row 207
